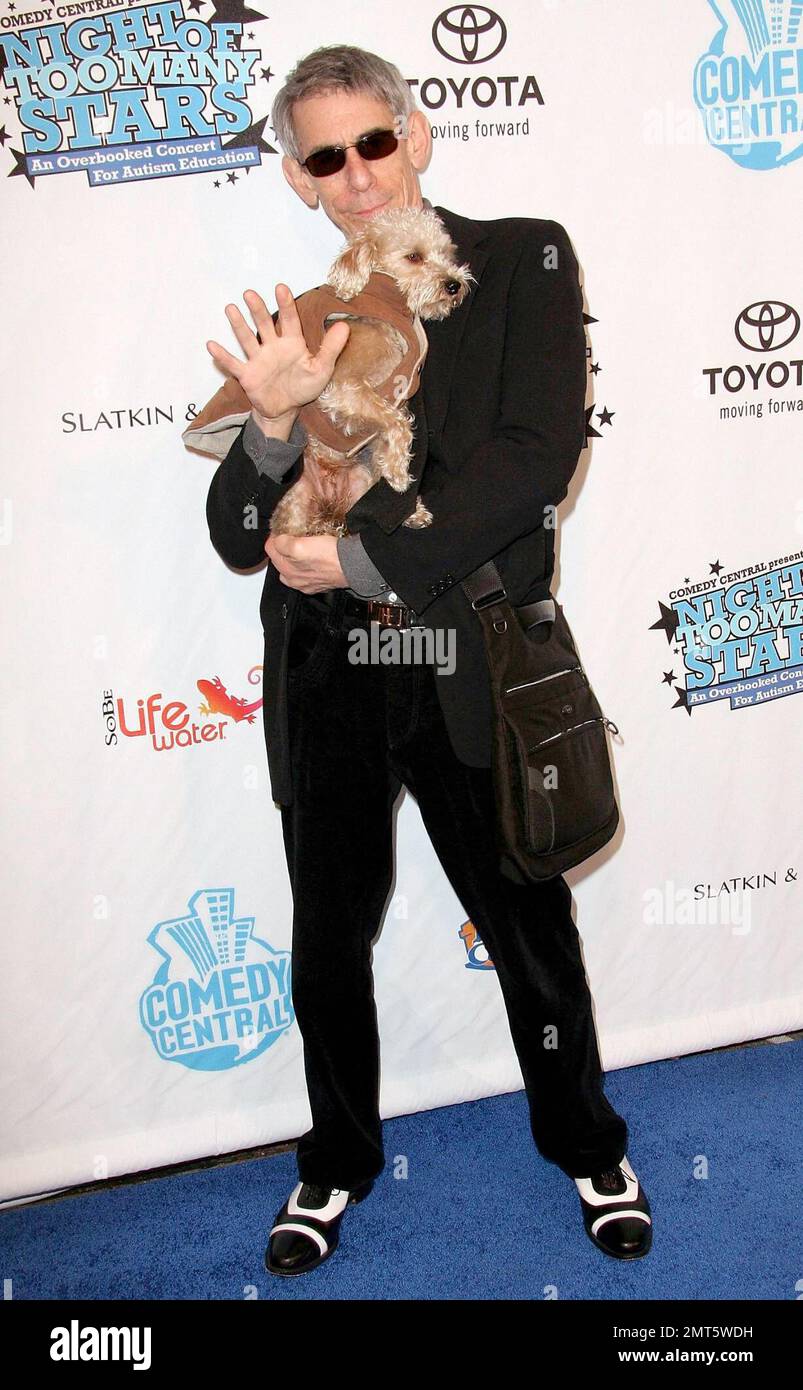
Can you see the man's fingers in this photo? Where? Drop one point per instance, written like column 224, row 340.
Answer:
column 332, row 344
column 289, row 322
column 259, row 313
column 287, row 546
column 224, row 359
column 244, row 335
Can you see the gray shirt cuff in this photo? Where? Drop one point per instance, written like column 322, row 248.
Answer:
column 273, row 457
column 362, row 574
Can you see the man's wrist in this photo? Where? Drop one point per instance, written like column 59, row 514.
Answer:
column 361, row 573
column 273, row 457
column 278, row 428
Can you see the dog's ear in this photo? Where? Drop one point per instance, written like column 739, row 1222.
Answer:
column 350, row 273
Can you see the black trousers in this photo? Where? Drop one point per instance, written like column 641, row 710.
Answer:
column 358, row 732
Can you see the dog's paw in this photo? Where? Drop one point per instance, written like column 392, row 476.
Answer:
column 422, row 516
column 396, row 473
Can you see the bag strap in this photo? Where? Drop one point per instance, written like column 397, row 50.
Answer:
column 485, row 586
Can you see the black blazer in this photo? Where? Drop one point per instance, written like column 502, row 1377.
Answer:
column 499, row 427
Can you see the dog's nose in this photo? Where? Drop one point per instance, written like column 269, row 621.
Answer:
column 452, row 286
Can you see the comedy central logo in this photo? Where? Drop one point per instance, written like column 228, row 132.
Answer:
column 140, row 94
column 748, row 85
column 221, row 995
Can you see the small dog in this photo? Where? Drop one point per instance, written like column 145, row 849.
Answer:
column 412, row 246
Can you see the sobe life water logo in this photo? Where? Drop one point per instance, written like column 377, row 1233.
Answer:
column 221, row 995
column 748, row 85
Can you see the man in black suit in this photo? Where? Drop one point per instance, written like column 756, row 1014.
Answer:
column 499, row 425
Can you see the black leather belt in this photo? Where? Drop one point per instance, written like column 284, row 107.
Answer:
column 374, row 610
column 366, row 610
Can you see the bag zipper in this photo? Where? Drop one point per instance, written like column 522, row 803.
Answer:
column 538, row 681
column 598, row 719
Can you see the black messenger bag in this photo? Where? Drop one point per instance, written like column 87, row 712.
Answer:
column 552, row 774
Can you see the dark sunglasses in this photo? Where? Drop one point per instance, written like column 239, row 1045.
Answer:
column 378, row 145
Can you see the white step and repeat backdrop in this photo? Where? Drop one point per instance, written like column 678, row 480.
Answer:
column 147, row 1015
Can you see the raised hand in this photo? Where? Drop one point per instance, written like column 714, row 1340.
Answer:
column 279, row 374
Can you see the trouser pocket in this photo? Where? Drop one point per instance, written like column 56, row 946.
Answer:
column 306, row 633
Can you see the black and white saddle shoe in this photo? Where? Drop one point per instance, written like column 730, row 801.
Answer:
column 307, row 1228
column 616, row 1213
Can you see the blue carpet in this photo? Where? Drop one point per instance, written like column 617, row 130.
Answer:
column 479, row 1215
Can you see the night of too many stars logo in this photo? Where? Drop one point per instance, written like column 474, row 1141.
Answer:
column 136, row 93
column 736, row 635
column 221, row 996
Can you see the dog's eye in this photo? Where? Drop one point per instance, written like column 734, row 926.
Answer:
column 414, row 256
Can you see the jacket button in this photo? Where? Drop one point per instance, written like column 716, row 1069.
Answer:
column 284, row 610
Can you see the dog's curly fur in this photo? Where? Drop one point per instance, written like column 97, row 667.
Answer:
column 413, row 246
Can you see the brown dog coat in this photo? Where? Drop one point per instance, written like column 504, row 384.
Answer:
column 216, row 426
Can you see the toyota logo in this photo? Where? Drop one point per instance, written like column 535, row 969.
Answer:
column 469, row 34
column 767, row 324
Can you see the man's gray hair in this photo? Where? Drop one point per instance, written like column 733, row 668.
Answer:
column 342, row 68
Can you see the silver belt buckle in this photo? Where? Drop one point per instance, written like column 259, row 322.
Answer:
column 386, row 614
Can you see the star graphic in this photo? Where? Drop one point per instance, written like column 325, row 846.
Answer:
column 716, row 567
column 588, row 319
column 252, row 136
column 605, row 416
column 233, row 12
column 668, row 622
column 267, row 73
column 232, row 177
column 591, row 433
column 3, row 135
column 196, row 5
column 682, row 702
column 595, row 367
column 669, row 676
column 21, row 159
